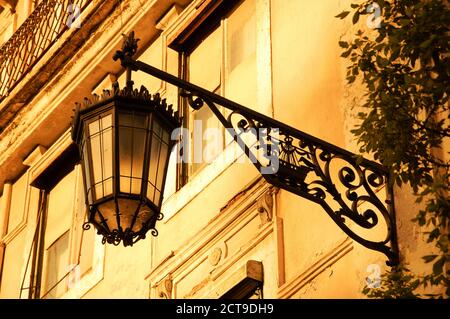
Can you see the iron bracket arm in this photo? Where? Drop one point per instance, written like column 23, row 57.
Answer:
column 351, row 189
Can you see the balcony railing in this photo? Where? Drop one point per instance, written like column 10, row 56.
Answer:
column 34, row 38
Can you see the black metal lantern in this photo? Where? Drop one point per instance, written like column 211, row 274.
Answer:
column 124, row 143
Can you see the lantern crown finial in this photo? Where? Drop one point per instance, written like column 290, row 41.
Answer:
column 129, row 47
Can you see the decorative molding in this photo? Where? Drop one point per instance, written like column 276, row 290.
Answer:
column 264, row 232
column 229, row 264
column 5, row 205
column 50, row 155
column 293, row 286
column 9, row 4
column 226, row 265
column 265, row 205
column 21, row 225
column 169, row 17
column 185, row 19
column 161, row 262
column 35, row 155
column 214, row 235
column 215, row 256
column 163, row 289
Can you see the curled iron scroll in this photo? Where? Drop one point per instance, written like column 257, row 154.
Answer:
column 304, row 168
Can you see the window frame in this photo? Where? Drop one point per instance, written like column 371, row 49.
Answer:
column 172, row 37
column 210, row 16
column 62, row 157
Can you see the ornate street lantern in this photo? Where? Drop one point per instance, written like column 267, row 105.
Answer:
column 124, row 144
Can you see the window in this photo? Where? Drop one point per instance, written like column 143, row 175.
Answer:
column 67, row 249
column 222, row 60
column 64, row 252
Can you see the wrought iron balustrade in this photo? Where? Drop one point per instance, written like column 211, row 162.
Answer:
column 37, row 34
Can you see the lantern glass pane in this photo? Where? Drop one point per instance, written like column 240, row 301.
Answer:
column 87, row 172
column 163, row 159
column 100, row 135
column 159, row 157
column 153, row 166
column 132, row 137
column 157, row 128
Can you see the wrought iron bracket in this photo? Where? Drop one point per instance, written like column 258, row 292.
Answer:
column 353, row 191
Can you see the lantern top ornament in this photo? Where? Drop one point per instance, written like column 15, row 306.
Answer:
column 141, row 97
column 129, row 47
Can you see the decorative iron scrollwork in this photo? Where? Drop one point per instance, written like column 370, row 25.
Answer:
column 194, row 101
column 129, row 47
column 350, row 193
column 303, row 164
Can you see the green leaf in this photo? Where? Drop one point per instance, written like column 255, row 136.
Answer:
column 429, row 258
column 355, row 17
column 382, row 62
column 438, row 265
column 345, row 54
column 404, row 22
column 433, row 235
column 426, row 43
column 343, row 44
column 342, row 15
column 443, row 242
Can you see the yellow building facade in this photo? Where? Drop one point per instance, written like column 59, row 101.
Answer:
column 226, row 232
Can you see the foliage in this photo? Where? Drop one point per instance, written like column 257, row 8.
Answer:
column 404, row 65
column 397, row 283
